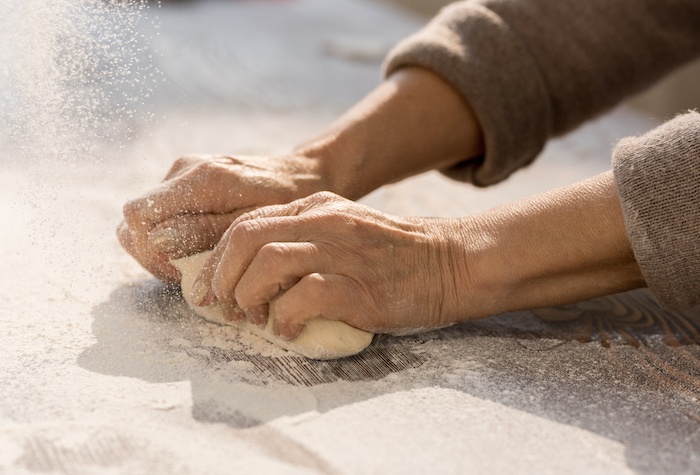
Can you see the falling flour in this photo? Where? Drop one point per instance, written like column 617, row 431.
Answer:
column 82, row 72
column 320, row 339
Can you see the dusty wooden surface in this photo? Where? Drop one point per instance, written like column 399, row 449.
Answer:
column 105, row 370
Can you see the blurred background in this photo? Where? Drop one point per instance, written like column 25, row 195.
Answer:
column 76, row 74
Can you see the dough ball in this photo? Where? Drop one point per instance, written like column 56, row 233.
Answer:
column 321, row 339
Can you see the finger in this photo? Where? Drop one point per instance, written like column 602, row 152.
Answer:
column 138, row 228
column 241, row 232
column 189, row 234
column 124, row 238
column 182, row 164
column 170, row 199
column 241, row 244
column 277, row 266
column 234, row 253
column 242, row 241
column 332, row 296
column 187, row 162
column 205, row 288
column 156, row 264
column 294, row 208
column 200, row 189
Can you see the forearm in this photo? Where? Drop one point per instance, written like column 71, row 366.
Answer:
column 551, row 249
column 412, row 122
column 532, row 69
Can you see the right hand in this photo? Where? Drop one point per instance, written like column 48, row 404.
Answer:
column 345, row 261
column 201, row 196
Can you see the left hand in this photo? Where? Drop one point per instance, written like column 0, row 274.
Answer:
column 341, row 260
column 199, row 199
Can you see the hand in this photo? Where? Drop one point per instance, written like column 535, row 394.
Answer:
column 414, row 121
column 395, row 275
column 338, row 259
column 200, row 197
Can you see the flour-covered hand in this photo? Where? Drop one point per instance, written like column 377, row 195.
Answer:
column 200, row 197
column 338, row 259
column 412, row 122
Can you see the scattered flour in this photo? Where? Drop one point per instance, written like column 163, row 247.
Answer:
column 81, row 71
column 320, row 338
column 99, row 378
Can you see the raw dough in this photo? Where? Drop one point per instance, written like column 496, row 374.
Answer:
column 321, row 339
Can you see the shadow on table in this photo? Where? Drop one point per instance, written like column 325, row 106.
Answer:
column 618, row 366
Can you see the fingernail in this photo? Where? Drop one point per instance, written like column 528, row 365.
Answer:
column 199, row 293
column 166, row 240
column 238, row 314
column 257, row 318
column 277, row 332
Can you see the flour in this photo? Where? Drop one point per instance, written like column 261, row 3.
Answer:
column 255, row 345
column 98, row 374
column 81, row 71
column 230, row 338
column 320, row 338
column 240, row 365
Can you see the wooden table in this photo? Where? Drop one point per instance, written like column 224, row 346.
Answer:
column 105, row 370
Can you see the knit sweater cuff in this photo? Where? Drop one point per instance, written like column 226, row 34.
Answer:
column 473, row 49
column 658, row 179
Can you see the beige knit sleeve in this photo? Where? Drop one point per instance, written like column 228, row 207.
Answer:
column 658, row 179
column 532, row 69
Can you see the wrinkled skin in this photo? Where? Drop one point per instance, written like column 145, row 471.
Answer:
column 412, row 122
column 199, row 199
column 339, row 259
column 373, row 271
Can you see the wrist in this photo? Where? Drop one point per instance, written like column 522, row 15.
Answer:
column 552, row 249
column 340, row 164
column 472, row 282
column 413, row 122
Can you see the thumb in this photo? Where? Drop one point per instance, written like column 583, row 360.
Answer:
column 190, row 234
column 332, row 296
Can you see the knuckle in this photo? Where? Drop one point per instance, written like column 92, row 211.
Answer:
column 256, row 213
column 191, row 158
column 314, row 284
column 181, row 163
column 132, row 208
column 316, row 199
column 179, row 166
column 324, row 197
column 203, row 168
column 273, row 254
column 246, row 230
column 334, row 219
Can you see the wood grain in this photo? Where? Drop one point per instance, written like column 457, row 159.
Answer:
column 383, row 357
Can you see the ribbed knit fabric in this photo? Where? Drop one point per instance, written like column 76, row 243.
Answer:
column 658, row 179
column 533, row 69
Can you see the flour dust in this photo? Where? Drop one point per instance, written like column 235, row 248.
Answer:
column 73, row 74
column 75, row 81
